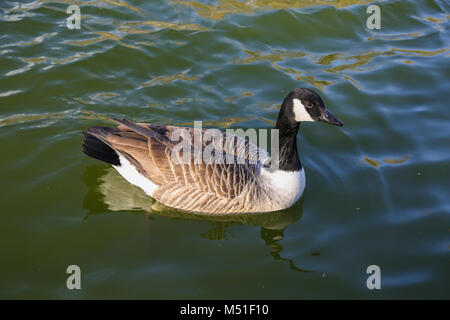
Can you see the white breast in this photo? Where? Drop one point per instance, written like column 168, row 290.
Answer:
column 287, row 186
column 129, row 172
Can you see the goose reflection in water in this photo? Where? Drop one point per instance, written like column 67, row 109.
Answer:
column 119, row 195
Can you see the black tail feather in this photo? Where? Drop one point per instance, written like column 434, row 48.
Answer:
column 97, row 149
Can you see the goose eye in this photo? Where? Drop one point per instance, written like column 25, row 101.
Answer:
column 309, row 105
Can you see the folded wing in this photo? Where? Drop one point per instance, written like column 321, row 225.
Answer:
column 184, row 179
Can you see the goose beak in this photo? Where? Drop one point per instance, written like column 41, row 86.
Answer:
column 327, row 117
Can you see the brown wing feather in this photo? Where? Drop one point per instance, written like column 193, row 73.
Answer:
column 201, row 187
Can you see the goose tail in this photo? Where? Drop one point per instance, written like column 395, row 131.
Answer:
column 95, row 146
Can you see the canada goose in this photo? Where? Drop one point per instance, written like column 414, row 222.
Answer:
column 147, row 156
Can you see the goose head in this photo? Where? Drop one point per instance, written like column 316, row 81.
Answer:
column 305, row 105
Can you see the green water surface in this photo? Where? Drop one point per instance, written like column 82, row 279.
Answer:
column 377, row 190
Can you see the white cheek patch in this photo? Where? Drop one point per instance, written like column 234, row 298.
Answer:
column 300, row 112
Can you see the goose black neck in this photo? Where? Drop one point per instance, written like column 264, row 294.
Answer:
column 288, row 129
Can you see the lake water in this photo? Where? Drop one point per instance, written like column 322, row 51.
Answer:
column 377, row 190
